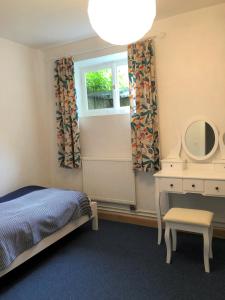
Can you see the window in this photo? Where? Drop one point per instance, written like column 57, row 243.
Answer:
column 102, row 85
column 123, row 85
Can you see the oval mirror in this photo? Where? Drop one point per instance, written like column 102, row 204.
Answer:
column 200, row 139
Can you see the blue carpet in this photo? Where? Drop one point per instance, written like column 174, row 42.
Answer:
column 120, row 261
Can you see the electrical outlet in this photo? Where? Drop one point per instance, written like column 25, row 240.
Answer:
column 132, row 207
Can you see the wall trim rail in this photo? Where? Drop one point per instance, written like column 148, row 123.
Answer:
column 218, row 232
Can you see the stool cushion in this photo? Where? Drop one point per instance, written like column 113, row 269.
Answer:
column 189, row 216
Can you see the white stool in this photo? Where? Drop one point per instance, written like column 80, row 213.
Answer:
column 191, row 220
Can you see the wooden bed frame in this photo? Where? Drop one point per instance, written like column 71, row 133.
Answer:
column 51, row 239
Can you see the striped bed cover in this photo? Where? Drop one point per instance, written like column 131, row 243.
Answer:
column 32, row 213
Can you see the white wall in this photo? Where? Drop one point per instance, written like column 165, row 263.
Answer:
column 23, row 149
column 190, row 71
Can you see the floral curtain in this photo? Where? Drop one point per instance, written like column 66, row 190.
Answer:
column 143, row 103
column 68, row 134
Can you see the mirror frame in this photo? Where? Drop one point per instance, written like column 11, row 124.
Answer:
column 222, row 144
column 212, row 152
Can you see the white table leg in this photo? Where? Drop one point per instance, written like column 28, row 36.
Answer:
column 158, row 211
column 174, row 239
column 168, row 244
column 210, row 242
column 206, row 249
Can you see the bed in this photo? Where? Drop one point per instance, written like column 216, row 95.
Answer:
column 33, row 217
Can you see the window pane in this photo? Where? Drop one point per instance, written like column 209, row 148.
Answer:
column 123, row 82
column 99, row 89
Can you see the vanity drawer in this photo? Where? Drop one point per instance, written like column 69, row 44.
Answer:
column 172, row 165
column 170, row 185
column 193, row 185
column 219, row 167
column 215, row 187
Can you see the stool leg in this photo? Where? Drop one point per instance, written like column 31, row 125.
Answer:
column 210, row 242
column 206, row 249
column 168, row 244
column 174, row 239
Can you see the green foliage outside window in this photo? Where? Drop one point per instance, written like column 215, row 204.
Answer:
column 100, row 81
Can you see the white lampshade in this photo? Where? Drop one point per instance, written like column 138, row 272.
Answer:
column 121, row 22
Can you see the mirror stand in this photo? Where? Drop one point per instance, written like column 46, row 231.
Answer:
column 175, row 152
column 222, row 145
column 200, row 141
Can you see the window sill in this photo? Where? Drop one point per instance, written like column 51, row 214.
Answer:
column 102, row 113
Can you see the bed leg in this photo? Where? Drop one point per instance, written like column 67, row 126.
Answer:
column 95, row 216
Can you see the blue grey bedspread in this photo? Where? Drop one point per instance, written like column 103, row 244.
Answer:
column 25, row 221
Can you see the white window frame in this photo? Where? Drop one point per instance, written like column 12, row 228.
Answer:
column 92, row 66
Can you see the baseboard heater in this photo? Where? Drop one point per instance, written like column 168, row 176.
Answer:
column 109, row 180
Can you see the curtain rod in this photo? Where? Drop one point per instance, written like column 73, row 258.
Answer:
column 159, row 35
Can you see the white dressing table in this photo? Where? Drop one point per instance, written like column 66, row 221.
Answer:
column 181, row 177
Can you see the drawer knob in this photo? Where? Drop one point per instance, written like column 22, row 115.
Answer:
column 171, row 165
column 171, row 185
column 193, row 185
column 217, row 188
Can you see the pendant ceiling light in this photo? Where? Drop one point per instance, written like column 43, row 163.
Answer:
column 121, row 22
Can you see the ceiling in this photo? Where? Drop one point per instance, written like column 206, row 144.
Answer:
column 43, row 23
